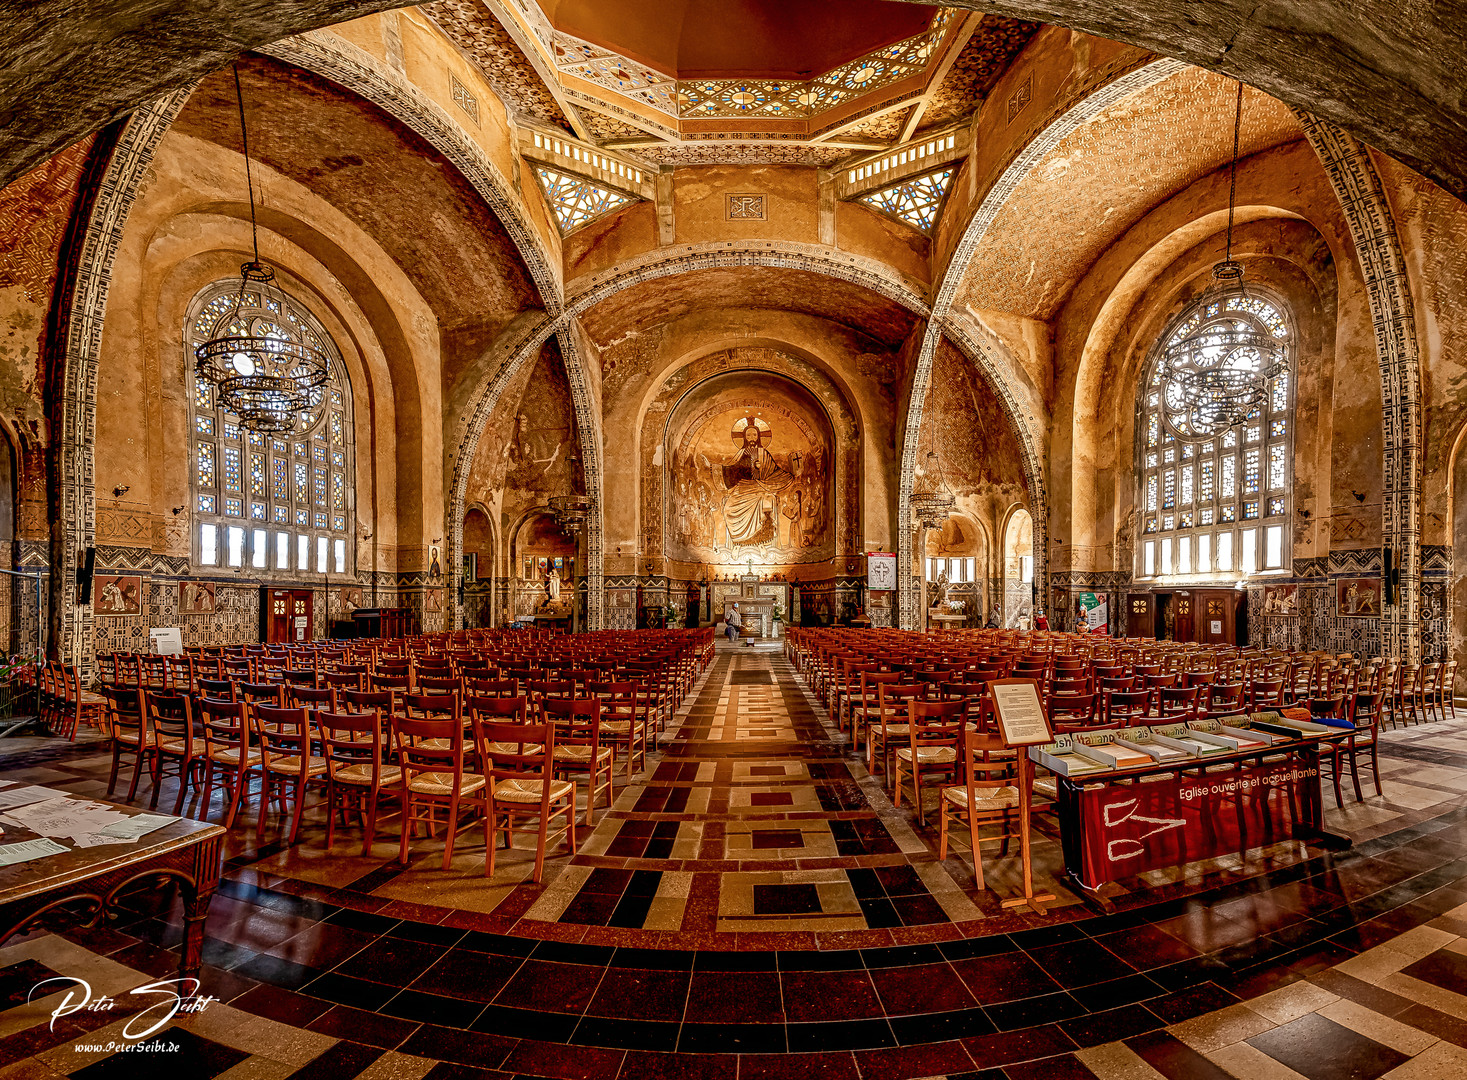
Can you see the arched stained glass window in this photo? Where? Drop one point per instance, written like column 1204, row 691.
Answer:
column 280, row 504
column 1215, row 501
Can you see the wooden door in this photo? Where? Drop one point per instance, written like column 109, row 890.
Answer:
column 1215, row 627
column 1140, row 617
column 1184, row 626
column 287, row 615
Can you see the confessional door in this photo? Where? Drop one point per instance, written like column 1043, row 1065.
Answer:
column 1215, row 626
column 1140, row 621
column 286, row 614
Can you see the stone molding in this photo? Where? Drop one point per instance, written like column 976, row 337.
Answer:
column 1367, row 211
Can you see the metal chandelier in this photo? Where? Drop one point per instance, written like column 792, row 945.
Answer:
column 1215, row 376
column 261, row 372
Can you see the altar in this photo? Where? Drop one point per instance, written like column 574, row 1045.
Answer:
column 757, row 600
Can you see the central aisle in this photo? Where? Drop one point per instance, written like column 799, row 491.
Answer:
column 753, row 821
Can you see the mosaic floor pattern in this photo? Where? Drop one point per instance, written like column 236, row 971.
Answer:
column 754, row 908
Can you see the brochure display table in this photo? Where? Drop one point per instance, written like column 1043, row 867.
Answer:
column 70, row 884
column 1120, row 821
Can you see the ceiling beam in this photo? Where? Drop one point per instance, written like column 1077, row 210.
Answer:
column 966, row 30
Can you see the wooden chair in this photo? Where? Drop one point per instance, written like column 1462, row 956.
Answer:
column 578, row 750
column 308, row 697
column 127, row 725
column 986, row 794
column 171, row 718
column 623, row 720
column 431, row 754
column 1176, row 703
column 227, row 751
column 934, row 729
column 1070, row 711
column 357, row 770
column 1126, row 708
column 272, row 694
column 520, row 765
column 887, row 724
column 1365, row 714
column 287, row 762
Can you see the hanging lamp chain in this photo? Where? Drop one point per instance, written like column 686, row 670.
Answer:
column 1233, row 172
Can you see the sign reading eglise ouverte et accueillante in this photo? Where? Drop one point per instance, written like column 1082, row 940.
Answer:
column 1129, row 829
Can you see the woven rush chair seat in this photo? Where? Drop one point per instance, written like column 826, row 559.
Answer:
column 362, row 774
column 529, row 791
column 433, row 783
column 934, row 755
column 989, row 799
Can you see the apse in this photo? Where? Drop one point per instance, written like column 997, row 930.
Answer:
column 750, row 475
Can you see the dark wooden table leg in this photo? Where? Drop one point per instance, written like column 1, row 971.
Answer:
column 196, row 897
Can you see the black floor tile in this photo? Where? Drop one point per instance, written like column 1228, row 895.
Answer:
column 1320, row 1049
column 700, row 1038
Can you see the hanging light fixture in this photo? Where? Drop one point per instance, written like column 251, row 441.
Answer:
column 931, row 500
column 1215, row 371
column 261, row 371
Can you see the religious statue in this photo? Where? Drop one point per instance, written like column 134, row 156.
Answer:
column 754, row 481
column 939, row 591
column 552, row 586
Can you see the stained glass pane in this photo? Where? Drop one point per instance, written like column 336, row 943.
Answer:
column 1151, row 493
column 320, row 520
column 1185, row 520
column 1275, row 506
column 1254, row 432
column 234, row 507
column 1186, row 484
column 231, row 431
column 338, row 492
column 1168, row 523
column 282, row 514
column 206, row 425
column 1205, row 478
column 338, row 523
column 338, row 458
column 1168, row 489
column 257, row 474
column 916, row 201
column 205, row 460
column 1277, row 428
column 301, row 450
column 1276, row 466
column 257, row 511
column 1169, row 456
column 319, row 453
column 203, row 394
column 1151, row 461
column 1204, row 517
column 320, row 486
column 1280, row 400
column 1228, row 513
column 1250, row 510
column 302, row 482
column 1151, row 525
column 231, row 468
column 1250, row 471
column 280, row 479
column 336, row 428
column 206, row 504
column 1153, row 426
column 1229, row 472
column 302, row 517
column 574, row 201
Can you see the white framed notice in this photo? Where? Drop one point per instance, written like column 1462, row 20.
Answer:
column 1021, row 718
column 881, row 575
column 167, row 640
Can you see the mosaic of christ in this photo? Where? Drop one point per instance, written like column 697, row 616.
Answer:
column 763, row 495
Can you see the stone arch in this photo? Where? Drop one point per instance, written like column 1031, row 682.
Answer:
column 357, row 70
column 1362, row 197
column 78, row 319
column 529, row 335
column 990, row 358
column 841, row 415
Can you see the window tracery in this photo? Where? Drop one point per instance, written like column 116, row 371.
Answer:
column 576, row 201
column 1214, row 501
column 916, row 201
column 254, row 491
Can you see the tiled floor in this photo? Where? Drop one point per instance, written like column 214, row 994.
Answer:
column 754, row 907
